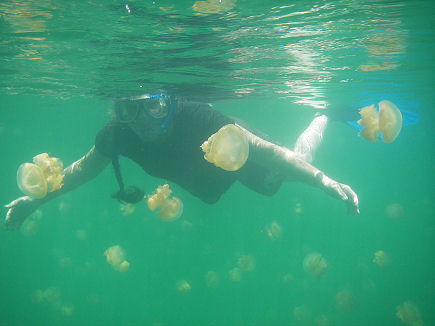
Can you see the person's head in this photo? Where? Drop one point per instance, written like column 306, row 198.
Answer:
column 148, row 115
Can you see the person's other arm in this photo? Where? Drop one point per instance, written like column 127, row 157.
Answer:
column 286, row 162
column 78, row 173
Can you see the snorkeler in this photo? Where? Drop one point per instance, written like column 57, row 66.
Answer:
column 163, row 134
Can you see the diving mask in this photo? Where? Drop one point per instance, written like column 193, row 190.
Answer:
column 156, row 106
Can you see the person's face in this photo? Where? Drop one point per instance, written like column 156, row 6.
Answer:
column 146, row 128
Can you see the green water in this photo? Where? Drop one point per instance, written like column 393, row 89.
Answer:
column 270, row 64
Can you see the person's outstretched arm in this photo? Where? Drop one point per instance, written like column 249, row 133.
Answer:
column 78, row 173
column 287, row 163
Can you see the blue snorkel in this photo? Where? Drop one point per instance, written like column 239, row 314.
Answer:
column 171, row 112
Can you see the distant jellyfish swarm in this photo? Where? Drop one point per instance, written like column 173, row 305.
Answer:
column 168, row 209
column 115, row 256
column 44, row 175
column 387, row 122
column 228, row 148
column 315, row 264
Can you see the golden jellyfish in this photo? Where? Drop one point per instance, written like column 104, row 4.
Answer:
column 211, row 279
column 228, row 148
column 183, row 287
column 394, row 211
column 168, row 209
column 115, row 256
column 387, row 122
column 315, row 264
column 67, row 309
column 246, row 263
column 235, row 274
column 345, row 301
column 44, row 175
column 381, row 259
column 273, row 230
column 409, row 314
column 127, row 209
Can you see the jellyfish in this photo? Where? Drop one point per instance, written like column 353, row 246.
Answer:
column 67, row 309
column 127, row 209
column 408, row 313
column 394, row 211
column 183, row 287
column 42, row 176
column 381, row 259
column 115, row 256
column 315, row 264
column 168, row 209
column 387, row 122
column 228, row 148
column 211, row 279
column 273, row 230
column 345, row 301
column 246, row 263
column 235, row 274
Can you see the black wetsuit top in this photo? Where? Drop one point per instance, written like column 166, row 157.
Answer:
column 178, row 158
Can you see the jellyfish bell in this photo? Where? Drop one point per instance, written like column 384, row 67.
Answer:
column 171, row 209
column 390, row 121
column 387, row 122
column 115, row 255
column 228, row 148
column 315, row 264
column 31, row 181
column 370, row 122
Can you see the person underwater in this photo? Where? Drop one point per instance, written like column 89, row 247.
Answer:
column 163, row 133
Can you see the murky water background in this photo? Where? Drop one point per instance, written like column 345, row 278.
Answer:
column 270, row 64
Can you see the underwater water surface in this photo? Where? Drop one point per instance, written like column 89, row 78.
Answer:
column 295, row 258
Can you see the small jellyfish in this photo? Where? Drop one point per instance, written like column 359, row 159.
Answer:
column 115, row 256
column 67, row 309
column 315, row 264
column 408, row 313
column 211, row 279
column 246, row 263
column 345, row 301
column 43, row 175
column 394, row 211
column 228, row 148
column 381, row 259
column 235, row 274
column 81, row 234
column 127, row 209
column 273, row 230
column 387, row 122
column 183, row 287
column 168, row 209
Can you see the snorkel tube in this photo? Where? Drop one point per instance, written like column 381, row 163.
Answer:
column 173, row 103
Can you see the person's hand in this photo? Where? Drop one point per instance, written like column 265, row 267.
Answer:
column 18, row 210
column 341, row 191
